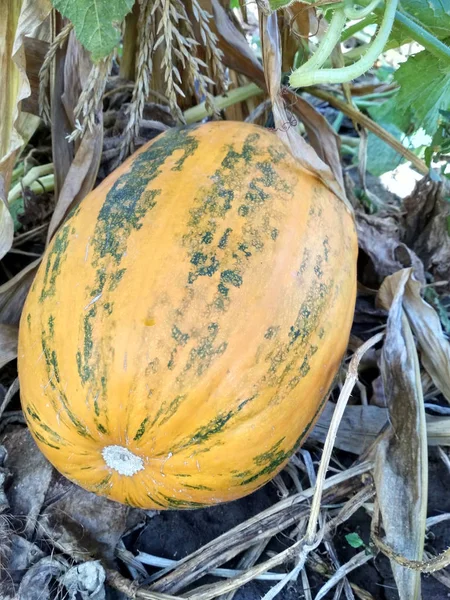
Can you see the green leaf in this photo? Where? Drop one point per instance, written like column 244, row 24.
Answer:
column 432, row 297
column 354, row 540
column 381, row 157
column 440, row 144
column 424, row 91
column 432, row 14
column 234, row 4
column 95, row 22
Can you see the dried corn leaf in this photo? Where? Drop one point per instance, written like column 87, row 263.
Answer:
column 237, row 53
column 401, row 476
column 434, row 346
column 9, row 11
column 18, row 19
column 284, row 123
column 361, row 425
column 8, row 344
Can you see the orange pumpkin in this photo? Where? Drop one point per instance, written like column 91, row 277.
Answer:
column 188, row 320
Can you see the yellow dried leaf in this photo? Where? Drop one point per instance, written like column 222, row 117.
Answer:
column 19, row 18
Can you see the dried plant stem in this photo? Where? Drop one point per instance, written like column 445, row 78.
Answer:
column 424, row 566
column 44, row 72
column 313, row 538
column 356, row 561
column 131, row 34
column 270, row 522
column 248, row 560
column 199, row 112
column 212, row 591
column 130, row 588
column 176, row 33
column 210, row 40
column 367, row 122
column 167, row 30
column 144, row 66
column 91, row 97
column 28, row 235
column 350, row 380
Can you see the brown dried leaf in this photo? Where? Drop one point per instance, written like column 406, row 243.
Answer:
column 14, row 292
column 379, row 237
column 237, row 53
column 401, row 476
column 8, row 343
column 303, row 152
column 361, row 425
column 90, row 525
column 292, row 26
column 38, row 579
column 426, row 229
column 321, row 135
column 31, row 473
column 63, row 123
column 23, row 554
column 75, row 175
column 35, row 51
column 81, row 176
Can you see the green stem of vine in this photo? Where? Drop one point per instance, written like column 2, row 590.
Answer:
column 352, row 12
column 327, row 43
column 350, row 31
column 344, row 74
column 199, row 112
column 422, row 36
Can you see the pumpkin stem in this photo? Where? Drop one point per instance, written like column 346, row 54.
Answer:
column 122, row 460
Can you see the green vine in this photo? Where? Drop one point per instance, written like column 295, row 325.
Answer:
column 311, row 72
column 300, row 78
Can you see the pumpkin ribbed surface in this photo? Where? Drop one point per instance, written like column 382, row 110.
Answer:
column 188, row 320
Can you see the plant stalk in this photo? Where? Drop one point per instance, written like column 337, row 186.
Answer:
column 344, row 74
column 369, row 124
column 199, row 112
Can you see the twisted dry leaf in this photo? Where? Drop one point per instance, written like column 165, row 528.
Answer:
column 434, row 346
column 285, row 126
column 378, row 237
column 237, row 55
column 426, row 227
column 401, row 476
